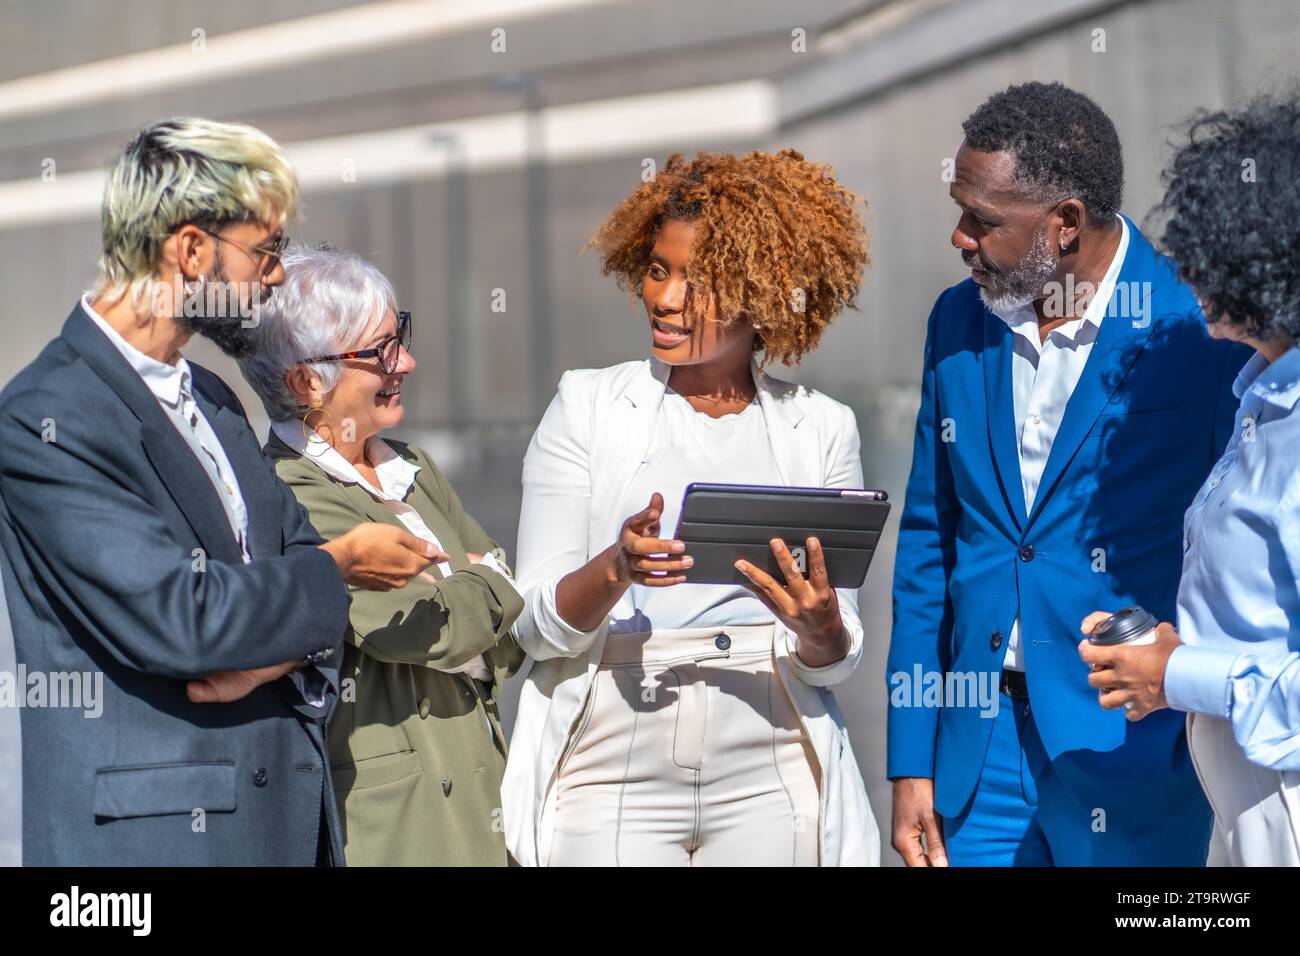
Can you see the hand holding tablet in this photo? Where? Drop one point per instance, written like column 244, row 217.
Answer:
column 722, row 525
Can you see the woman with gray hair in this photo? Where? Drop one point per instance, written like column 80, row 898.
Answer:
column 416, row 745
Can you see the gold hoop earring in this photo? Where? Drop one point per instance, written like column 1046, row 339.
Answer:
column 316, row 406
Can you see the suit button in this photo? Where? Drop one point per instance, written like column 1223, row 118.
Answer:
column 995, row 641
column 1027, row 553
column 424, row 707
column 722, row 642
column 259, row 777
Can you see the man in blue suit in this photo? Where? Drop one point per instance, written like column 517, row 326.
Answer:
column 1071, row 404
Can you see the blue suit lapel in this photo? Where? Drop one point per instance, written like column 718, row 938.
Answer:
column 1119, row 340
column 998, row 345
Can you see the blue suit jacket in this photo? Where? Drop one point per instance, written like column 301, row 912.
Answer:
column 1149, row 417
column 103, row 510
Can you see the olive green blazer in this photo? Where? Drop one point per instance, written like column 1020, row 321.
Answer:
column 416, row 753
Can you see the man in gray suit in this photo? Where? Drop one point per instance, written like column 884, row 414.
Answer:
column 177, row 620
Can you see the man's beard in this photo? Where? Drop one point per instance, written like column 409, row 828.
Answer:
column 1019, row 287
column 224, row 326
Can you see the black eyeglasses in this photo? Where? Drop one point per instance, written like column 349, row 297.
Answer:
column 389, row 351
column 269, row 256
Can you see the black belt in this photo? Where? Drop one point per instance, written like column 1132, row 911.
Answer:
column 1014, row 684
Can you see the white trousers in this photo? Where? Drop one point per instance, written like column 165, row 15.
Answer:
column 1256, row 810
column 688, row 752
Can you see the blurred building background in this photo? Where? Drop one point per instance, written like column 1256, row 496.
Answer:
column 470, row 147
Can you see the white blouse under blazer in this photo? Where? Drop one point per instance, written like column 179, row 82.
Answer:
column 579, row 466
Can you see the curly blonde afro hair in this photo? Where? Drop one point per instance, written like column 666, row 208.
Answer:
column 778, row 242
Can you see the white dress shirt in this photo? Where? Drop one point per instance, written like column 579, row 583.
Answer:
column 396, row 478
column 1044, row 373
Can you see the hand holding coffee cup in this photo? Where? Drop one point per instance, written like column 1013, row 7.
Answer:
column 1127, row 651
column 1130, row 625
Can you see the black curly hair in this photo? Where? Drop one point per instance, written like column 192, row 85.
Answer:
column 1232, row 198
column 1065, row 146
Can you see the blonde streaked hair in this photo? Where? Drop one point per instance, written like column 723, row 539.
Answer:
column 186, row 170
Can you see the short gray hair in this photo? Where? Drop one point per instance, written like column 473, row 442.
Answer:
column 325, row 305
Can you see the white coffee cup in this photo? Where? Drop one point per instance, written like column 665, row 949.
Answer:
column 1130, row 625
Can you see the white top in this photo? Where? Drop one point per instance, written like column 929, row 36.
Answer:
column 1044, row 374
column 689, row 446
column 396, row 478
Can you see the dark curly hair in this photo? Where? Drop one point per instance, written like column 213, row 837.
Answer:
column 1232, row 198
column 1064, row 145
column 778, row 242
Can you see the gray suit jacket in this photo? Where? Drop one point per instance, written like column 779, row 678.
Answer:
column 118, row 560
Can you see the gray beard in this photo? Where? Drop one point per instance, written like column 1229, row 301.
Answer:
column 1021, row 286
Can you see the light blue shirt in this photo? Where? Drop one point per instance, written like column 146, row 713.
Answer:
column 1238, row 606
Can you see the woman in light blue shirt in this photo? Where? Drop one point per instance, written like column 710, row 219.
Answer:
column 1233, row 663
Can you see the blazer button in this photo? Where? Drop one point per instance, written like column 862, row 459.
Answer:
column 722, row 642
column 259, row 777
column 995, row 641
column 1027, row 553
column 424, row 707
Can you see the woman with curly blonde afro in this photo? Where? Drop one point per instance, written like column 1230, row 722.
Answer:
column 663, row 724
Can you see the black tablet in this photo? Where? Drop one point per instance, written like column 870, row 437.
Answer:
column 723, row 523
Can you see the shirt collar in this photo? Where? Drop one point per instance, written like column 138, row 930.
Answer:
column 1024, row 320
column 1277, row 381
column 396, row 474
column 165, row 381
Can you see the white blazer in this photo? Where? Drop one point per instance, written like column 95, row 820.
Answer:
column 579, row 465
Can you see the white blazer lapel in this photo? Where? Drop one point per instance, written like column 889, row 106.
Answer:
column 625, row 435
column 796, row 444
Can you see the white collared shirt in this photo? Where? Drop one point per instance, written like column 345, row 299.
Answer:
column 396, row 477
column 1044, row 373
column 171, row 385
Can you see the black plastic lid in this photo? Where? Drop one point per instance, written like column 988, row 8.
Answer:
column 1123, row 626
